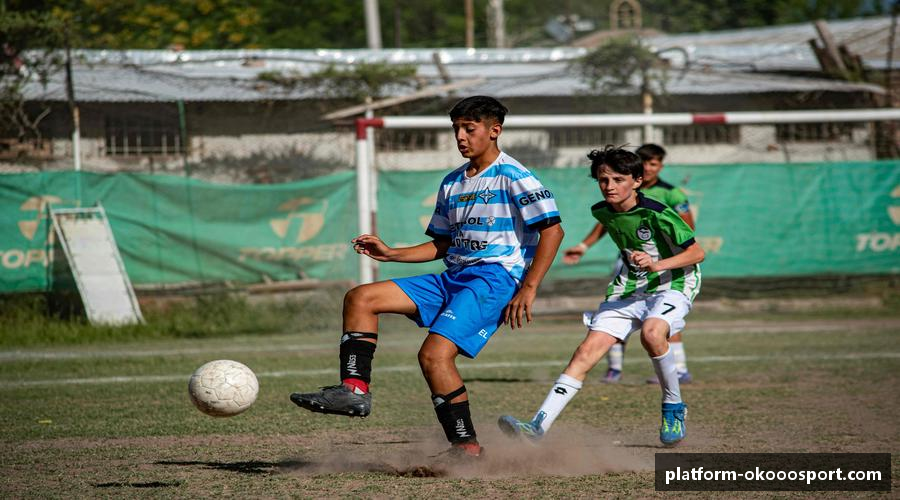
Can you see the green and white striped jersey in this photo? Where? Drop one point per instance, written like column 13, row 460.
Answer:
column 653, row 228
column 670, row 195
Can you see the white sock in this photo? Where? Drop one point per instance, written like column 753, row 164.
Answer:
column 559, row 396
column 680, row 356
column 615, row 356
column 668, row 377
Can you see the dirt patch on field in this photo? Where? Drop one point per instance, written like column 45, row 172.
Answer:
column 571, row 451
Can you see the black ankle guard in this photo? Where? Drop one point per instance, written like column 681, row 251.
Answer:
column 356, row 356
column 455, row 418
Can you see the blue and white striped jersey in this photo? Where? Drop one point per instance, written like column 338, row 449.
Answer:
column 493, row 217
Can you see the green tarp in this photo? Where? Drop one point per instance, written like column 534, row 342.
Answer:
column 753, row 220
column 176, row 230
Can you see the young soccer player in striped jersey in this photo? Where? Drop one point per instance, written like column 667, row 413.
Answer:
column 653, row 156
column 651, row 292
column 497, row 229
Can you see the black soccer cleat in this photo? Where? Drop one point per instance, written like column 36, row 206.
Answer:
column 335, row 400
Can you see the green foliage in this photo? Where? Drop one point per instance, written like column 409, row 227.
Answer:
column 355, row 82
column 141, row 24
column 31, row 43
column 232, row 24
column 621, row 64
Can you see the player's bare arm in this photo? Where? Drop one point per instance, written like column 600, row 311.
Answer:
column 520, row 305
column 688, row 218
column 691, row 255
column 371, row 245
column 573, row 254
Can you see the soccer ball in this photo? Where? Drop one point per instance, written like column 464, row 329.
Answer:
column 223, row 388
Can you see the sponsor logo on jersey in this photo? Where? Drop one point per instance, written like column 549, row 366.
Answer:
column 534, row 197
column 470, row 221
column 449, row 314
column 470, row 244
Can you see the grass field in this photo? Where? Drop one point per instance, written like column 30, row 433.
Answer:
column 113, row 419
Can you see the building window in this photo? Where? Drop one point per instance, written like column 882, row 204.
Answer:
column 701, row 134
column 407, row 140
column 591, row 137
column 814, row 132
column 141, row 136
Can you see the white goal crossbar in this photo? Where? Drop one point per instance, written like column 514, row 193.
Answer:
column 364, row 166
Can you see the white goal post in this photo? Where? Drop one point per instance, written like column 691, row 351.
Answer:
column 364, row 167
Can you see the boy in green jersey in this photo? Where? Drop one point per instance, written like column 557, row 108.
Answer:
column 652, row 156
column 652, row 290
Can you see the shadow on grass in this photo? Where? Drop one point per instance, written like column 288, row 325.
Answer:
column 288, row 466
column 398, row 441
column 498, row 380
column 152, row 484
column 251, row 467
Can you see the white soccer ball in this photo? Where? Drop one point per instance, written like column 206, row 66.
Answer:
column 223, row 388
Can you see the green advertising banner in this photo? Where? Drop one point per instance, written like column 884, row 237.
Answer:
column 752, row 220
column 176, row 230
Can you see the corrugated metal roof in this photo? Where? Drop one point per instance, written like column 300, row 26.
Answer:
column 784, row 47
column 728, row 63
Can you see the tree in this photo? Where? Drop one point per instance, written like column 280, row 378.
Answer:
column 307, row 24
column 31, row 44
column 353, row 82
column 621, row 64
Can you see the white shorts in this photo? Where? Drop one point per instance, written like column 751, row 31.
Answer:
column 620, row 318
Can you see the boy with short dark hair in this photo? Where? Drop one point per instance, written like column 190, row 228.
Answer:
column 652, row 156
column 498, row 230
column 652, row 290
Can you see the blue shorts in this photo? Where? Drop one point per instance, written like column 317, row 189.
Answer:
column 465, row 305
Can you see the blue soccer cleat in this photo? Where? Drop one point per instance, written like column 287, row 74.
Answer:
column 672, row 429
column 531, row 432
column 612, row 376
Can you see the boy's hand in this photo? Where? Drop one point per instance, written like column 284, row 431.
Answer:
column 371, row 245
column 573, row 255
column 643, row 260
column 520, row 303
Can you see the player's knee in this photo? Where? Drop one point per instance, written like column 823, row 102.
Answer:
column 359, row 298
column 429, row 358
column 653, row 336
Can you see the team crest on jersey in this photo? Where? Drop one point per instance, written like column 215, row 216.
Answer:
column 486, row 195
column 643, row 233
